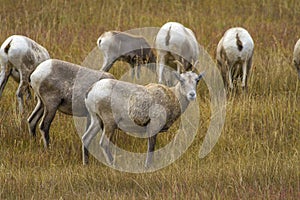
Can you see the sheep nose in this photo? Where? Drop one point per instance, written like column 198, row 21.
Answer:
column 192, row 95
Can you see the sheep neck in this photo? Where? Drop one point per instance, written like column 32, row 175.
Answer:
column 183, row 101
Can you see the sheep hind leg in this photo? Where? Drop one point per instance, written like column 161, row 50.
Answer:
column 230, row 78
column 48, row 116
column 160, row 66
column 85, row 152
column 35, row 117
column 23, row 88
column 138, row 71
column 93, row 127
column 132, row 72
column 244, row 77
column 105, row 143
column 19, row 95
column 23, row 85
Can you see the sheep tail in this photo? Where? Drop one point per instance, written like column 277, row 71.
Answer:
column 7, row 47
column 239, row 42
column 168, row 37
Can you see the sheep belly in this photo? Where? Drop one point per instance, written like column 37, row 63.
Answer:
column 140, row 105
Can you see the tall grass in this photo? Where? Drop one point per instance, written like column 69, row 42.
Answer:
column 257, row 155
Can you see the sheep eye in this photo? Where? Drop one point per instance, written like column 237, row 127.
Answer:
column 182, row 80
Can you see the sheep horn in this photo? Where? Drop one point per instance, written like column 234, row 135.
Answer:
column 179, row 63
column 194, row 65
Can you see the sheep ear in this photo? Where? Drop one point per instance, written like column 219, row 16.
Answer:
column 200, row 76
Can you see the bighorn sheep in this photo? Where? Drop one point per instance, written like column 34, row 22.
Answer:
column 19, row 56
column 62, row 86
column 174, row 42
column 145, row 110
column 296, row 57
column 234, row 56
column 120, row 46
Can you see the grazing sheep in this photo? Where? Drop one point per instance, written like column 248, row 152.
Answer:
column 62, row 86
column 174, row 42
column 145, row 110
column 234, row 56
column 120, row 46
column 19, row 56
column 296, row 57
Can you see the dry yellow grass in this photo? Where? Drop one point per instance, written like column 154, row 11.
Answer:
column 257, row 155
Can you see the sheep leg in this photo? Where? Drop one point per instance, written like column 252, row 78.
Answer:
column 19, row 93
column 4, row 75
column 92, row 130
column 151, row 146
column 230, row 78
column 138, row 71
column 106, row 151
column 23, row 87
column 15, row 75
column 28, row 94
column 244, row 78
column 85, row 152
column 132, row 71
column 160, row 64
column 35, row 117
column 48, row 116
column 248, row 67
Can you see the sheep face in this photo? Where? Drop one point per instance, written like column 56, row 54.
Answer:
column 188, row 84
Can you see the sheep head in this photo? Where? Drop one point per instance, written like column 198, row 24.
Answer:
column 188, row 83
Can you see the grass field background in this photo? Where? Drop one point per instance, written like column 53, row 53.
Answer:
column 257, row 155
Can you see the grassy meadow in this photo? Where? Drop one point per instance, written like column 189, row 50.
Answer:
column 258, row 153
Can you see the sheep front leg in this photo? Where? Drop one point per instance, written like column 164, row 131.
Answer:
column 151, row 147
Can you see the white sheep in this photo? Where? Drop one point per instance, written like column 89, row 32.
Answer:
column 174, row 42
column 120, row 46
column 19, row 56
column 60, row 85
column 296, row 57
column 144, row 110
column 234, row 56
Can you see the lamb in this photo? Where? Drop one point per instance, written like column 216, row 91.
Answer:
column 120, row 46
column 60, row 85
column 174, row 42
column 144, row 110
column 19, row 56
column 296, row 57
column 234, row 56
